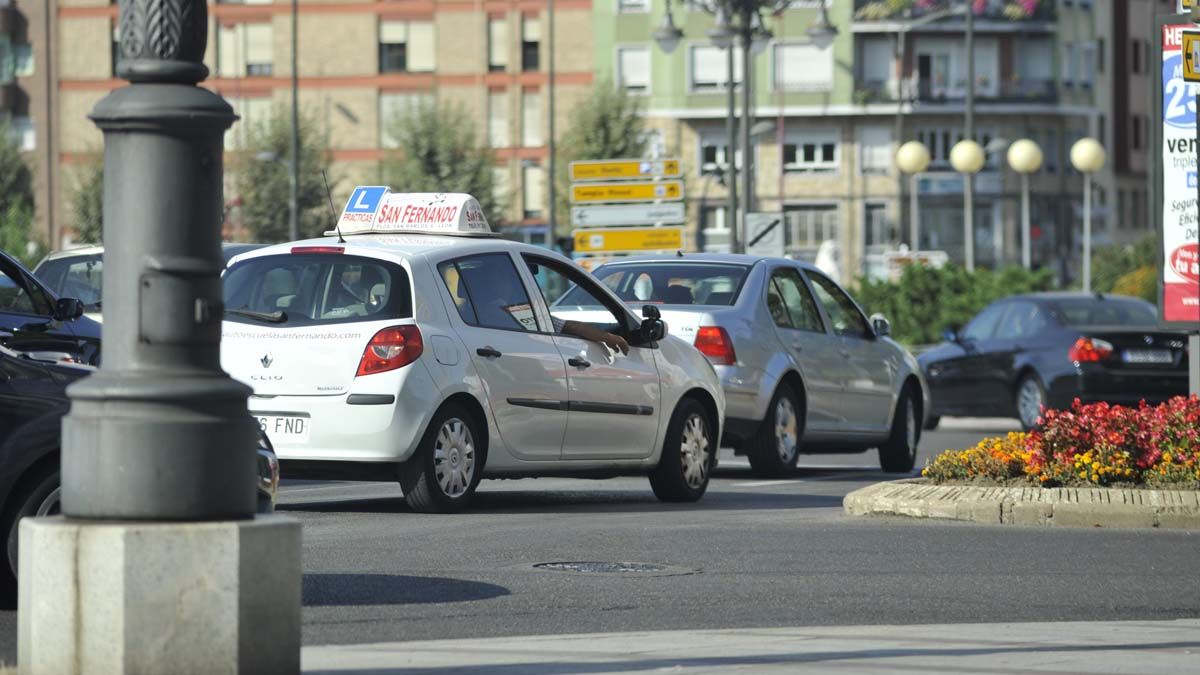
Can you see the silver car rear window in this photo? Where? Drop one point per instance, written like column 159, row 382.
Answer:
column 671, row 283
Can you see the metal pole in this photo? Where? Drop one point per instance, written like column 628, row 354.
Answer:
column 914, row 216
column 294, row 177
column 968, row 222
column 1194, row 364
column 747, row 117
column 160, row 432
column 969, row 133
column 1087, row 233
column 731, row 151
column 1026, row 243
column 552, row 193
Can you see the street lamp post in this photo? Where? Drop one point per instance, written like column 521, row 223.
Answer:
column 156, row 564
column 913, row 158
column 967, row 158
column 739, row 23
column 294, row 169
column 1025, row 157
column 1088, row 157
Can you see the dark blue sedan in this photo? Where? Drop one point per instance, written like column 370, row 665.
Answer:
column 34, row 319
column 1027, row 352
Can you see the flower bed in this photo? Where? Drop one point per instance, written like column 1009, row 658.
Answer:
column 1088, row 445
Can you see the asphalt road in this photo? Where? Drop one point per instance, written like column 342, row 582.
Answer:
column 752, row 553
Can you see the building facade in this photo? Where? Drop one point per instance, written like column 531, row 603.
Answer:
column 360, row 65
column 894, row 71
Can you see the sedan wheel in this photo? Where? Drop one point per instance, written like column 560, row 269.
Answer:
column 787, row 431
column 899, row 453
column 1030, row 400
column 454, row 458
column 39, row 496
column 775, row 449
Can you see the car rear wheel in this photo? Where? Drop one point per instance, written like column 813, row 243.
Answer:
column 775, row 449
column 899, row 453
column 1031, row 397
column 687, row 458
column 442, row 475
column 39, row 495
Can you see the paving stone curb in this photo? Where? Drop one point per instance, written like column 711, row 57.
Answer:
column 1072, row 507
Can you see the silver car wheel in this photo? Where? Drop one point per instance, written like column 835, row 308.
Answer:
column 694, row 452
column 787, row 436
column 1029, row 402
column 454, row 457
column 51, row 505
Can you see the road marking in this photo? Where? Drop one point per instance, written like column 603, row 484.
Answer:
column 768, row 483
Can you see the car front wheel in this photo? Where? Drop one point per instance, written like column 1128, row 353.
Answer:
column 899, row 453
column 775, row 449
column 687, row 457
column 37, row 496
column 1031, row 397
column 443, row 473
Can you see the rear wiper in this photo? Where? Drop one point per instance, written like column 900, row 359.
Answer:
column 269, row 317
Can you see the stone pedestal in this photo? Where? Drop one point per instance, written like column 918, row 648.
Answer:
column 101, row 598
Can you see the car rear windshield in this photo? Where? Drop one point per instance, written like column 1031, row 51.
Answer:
column 80, row 277
column 1088, row 312
column 672, row 283
column 316, row 290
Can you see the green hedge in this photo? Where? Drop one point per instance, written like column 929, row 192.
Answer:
column 926, row 299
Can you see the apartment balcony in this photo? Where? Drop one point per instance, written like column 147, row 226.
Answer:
column 992, row 11
column 1017, row 90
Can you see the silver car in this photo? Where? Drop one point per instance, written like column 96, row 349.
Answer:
column 804, row 370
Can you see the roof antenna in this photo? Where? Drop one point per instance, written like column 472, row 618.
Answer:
column 679, row 253
column 332, row 211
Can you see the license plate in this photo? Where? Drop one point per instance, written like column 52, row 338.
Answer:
column 285, row 428
column 1154, row 356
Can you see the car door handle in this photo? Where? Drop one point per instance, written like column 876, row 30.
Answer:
column 579, row 362
column 488, row 352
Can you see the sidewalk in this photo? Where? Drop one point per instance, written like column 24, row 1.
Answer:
column 1091, row 647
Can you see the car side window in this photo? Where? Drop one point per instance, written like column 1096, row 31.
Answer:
column 983, row 326
column 1023, row 320
column 842, row 312
column 799, row 302
column 583, row 303
column 488, row 292
column 776, row 306
column 14, row 297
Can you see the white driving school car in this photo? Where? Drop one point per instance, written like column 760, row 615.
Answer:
column 417, row 346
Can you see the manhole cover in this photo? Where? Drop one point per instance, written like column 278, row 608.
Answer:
column 613, row 568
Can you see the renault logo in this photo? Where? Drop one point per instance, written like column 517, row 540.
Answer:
column 267, row 360
column 1149, row 340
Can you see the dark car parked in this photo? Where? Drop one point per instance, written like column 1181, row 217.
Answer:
column 1047, row 349
column 33, row 318
column 33, row 402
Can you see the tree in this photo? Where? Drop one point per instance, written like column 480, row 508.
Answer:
column 1129, row 269
column 87, row 202
column 16, row 203
column 608, row 124
column 438, row 151
column 263, row 179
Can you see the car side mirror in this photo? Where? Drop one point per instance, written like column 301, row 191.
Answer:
column 883, row 328
column 653, row 328
column 950, row 334
column 68, row 309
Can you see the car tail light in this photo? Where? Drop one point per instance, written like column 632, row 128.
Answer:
column 714, row 342
column 301, row 250
column 391, row 348
column 1089, row 350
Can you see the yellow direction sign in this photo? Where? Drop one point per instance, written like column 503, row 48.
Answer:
column 628, row 239
column 668, row 190
column 625, row 168
column 1191, row 56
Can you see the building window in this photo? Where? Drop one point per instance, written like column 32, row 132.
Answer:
column 1068, row 64
column 531, row 36
column 811, row 152
column 531, row 119
column 714, row 232
column 879, row 232
column 633, row 6
column 1087, row 64
column 497, row 44
column 875, row 149
column 22, row 133
column 405, row 46
column 802, row 67
column 941, row 140
column 393, row 109
column 533, row 191
column 501, row 186
column 714, row 152
column 245, row 50
column 498, row 119
column 633, row 69
column 708, row 71
column 807, row 226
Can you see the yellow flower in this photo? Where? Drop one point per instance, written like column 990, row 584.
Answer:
column 1095, row 477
